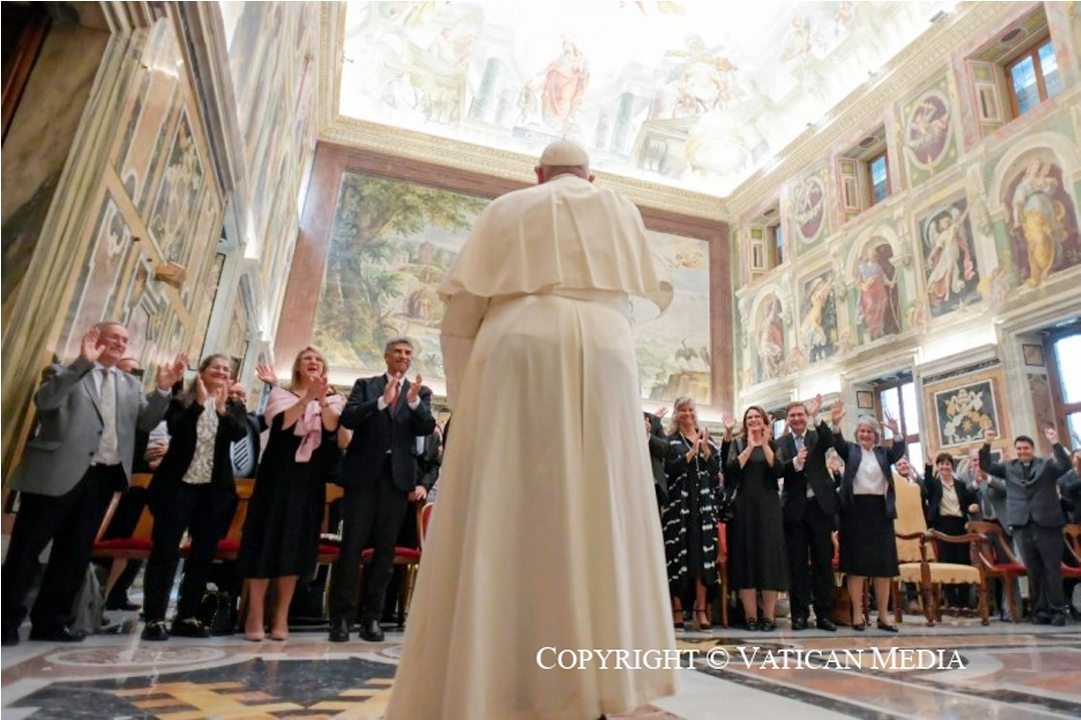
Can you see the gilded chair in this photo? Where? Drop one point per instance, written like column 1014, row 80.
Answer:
column 995, row 559
column 1071, row 565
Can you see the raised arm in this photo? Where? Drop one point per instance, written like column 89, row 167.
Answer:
column 986, row 464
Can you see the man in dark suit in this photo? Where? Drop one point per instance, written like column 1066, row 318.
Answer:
column 810, row 505
column 1035, row 514
column 386, row 414
column 89, row 413
column 658, row 452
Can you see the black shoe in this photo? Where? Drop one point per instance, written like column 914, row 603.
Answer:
column 887, row 627
column 826, row 624
column 58, row 634
column 155, row 631
column 339, row 630
column 799, row 624
column 767, row 625
column 860, row 627
column 123, row 604
column 752, row 624
column 370, row 631
column 189, row 627
column 1041, row 617
column 1058, row 619
column 10, row 635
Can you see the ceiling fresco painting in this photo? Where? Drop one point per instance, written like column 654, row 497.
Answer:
column 691, row 95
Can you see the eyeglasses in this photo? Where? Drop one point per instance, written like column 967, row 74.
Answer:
column 114, row 338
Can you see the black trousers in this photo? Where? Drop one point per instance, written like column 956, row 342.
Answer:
column 372, row 515
column 122, row 525
column 957, row 595
column 810, row 562
column 71, row 522
column 1042, row 549
column 189, row 507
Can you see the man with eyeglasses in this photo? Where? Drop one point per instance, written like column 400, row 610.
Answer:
column 89, row 412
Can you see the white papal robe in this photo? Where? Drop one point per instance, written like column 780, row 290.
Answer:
column 545, row 534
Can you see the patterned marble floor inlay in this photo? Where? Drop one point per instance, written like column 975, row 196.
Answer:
column 1010, row 671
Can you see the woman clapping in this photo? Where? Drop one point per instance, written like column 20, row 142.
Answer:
column 193, row 489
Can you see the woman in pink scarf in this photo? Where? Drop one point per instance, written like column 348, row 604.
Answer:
column 281, row 531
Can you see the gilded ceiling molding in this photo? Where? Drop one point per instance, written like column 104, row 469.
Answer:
column 914, row 64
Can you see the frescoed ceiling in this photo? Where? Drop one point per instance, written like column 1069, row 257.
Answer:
column 690, row 95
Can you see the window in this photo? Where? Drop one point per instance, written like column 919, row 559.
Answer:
column 1065, row 349
column 880, row 178
column 1033, row 77
column 766, row 241
column 1014, row 72
column 864, row 174
column 773, row 232
column 897, row 399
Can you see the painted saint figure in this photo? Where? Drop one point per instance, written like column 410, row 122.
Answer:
column 949, row 245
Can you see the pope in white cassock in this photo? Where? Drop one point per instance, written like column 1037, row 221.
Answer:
column 545, row 537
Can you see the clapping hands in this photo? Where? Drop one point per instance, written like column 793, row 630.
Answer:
column 172, row 373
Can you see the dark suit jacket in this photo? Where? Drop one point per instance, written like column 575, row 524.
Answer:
column 429, row 461
column 852, row 453
column 182, row 436
column 1030, row 496
column 817, row 440
column 376, row 431
column 932, row 487
column 658, row 453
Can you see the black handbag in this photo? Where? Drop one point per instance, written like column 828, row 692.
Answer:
column 217, row 612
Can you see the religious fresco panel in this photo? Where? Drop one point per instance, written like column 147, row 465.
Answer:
column 392, row 242
column 877, row 291
column 808, row 207
column 1041, row 219
column 929, row 139
column 950, row 267
column 818, row 331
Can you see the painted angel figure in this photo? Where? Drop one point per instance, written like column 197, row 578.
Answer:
column 950, row 247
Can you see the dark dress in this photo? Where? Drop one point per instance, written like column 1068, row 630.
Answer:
column 689, row 518
column 281, row 531
column 756, row 547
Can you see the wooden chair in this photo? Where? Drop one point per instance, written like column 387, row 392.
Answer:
column 995, row 559
column 1071, row 565
column 909, row 528
column 121, row 550
column 930, row 574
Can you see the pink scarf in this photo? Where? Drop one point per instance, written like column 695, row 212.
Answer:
column 310, row 424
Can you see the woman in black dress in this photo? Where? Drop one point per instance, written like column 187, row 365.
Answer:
column 281, row 531
column 193, row 489
column 756, row 549
column 689, row 517
column 868, row 509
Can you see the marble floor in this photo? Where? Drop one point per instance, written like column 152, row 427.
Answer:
column 999, row 671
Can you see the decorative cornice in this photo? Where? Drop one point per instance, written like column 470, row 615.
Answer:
column 504, row 164
column 912, row 65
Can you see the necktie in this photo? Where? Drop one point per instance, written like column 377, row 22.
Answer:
column 107, row 448
column 394, row 397
column 799, row 443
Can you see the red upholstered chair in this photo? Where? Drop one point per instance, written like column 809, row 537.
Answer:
column 994, row 559
column 136, row 547
column 1071, row 567
column 722, row 570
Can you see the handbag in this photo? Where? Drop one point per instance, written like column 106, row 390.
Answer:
column 217, row 613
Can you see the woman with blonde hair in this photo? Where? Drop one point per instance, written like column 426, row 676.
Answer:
column 281, row 531
column 689, row 518
column 868, row 509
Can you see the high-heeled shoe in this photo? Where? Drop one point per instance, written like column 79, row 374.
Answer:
column 677, row 619
column 860, row 626
column 702, row 619
column 887, row 627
